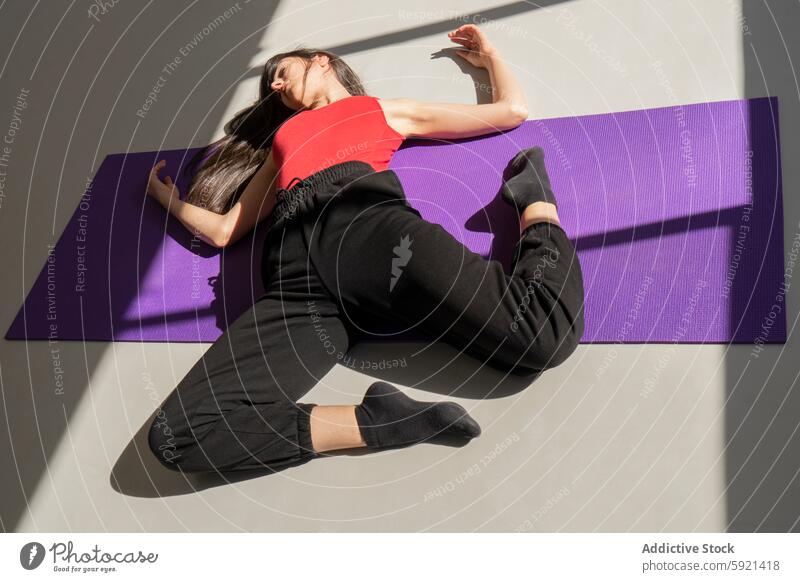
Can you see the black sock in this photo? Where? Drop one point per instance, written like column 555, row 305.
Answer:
column 387, row 417
column 528, row 181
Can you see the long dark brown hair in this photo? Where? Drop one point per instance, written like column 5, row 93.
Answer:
column 223, row 168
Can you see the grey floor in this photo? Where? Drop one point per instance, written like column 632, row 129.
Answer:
column 713, row 447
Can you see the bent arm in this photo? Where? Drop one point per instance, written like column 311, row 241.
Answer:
column 505, row 88
column 221, row 230
column 254, row 205
column 454, row 120
column 208, row 226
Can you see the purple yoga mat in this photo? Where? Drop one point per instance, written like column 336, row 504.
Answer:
column 676, row 213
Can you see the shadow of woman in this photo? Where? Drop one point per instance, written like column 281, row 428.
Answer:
column 435, row 367
column 138, row 473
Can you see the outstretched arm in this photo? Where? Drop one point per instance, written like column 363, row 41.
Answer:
column 454, row 120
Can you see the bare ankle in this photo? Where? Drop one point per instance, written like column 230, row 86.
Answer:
column 334, row 427
column 539, row 212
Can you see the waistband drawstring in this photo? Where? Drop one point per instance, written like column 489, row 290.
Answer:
column 282, row 191
column 299, row 198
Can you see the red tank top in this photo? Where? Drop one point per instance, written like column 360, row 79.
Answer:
column 353, row 128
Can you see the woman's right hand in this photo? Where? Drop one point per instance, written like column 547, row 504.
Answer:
column 164, row 191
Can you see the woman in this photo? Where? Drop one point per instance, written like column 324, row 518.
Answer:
column 346, row 256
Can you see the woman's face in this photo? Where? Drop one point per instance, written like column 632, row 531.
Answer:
column 288, row 81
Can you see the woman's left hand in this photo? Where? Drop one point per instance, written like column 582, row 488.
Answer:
column 164, row 191
column 472, row 37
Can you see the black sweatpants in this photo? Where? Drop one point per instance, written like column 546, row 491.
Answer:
column 346, row 257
